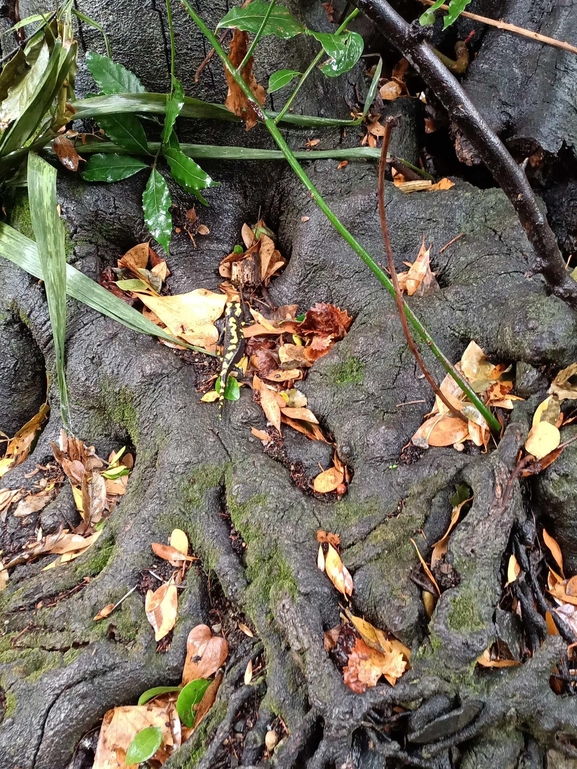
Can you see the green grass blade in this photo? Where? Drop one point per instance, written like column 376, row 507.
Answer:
column 22, row 251
column 49, row 232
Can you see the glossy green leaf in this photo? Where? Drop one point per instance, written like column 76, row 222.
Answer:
column 150, row 694
column 115, row 472
column 49, row 232
column 428, row 17
column 232, row 389
column 249, row 19
column 110, row 76
column 111, row 168
column 190, row 695
column 174, row 105
column 132, row 284
column 372, row 92
column 144, row 745
column 456, row 7
column 156, row 202
column 281, row 78
column 127, row 131
column 187, row 173
column 344, row 51
column 22, row 251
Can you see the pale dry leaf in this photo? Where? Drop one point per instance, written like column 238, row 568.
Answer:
column 366, row 665
column 300, row 413
column 513, row 570
column 179, row 541
column 440, row 547
column 547, row 411
column 268, row 402
column 564, row 386
column 486, row 661
column 543, row 438
column 3, row 578
column 105, row 612
column 441, row 431
column 245, row 629
column 328, row 480
column 190, row 316
column 554, row 549
column 337, row 572
column 161, row 607
column 170, row 554
column 33, row 504
column 426, row 568
column 248, row 673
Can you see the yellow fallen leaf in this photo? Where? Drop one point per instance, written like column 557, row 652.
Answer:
column 210, row 397
column 513, row 570
column 429, row 602
column 426, row 568
column 554, row 549
column 179, row 541
column 328, row 480
column 248, row 673
column 543, row 438
column 19, row 447
column 161, row 607
column 547, row 411
column 190, row 316
column 443, row 184
column 377, row 639
column 268, row 402
column 366, row 665
column 337, row 572
column 441, row 431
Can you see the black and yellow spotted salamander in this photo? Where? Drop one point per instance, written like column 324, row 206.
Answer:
column 233, row 349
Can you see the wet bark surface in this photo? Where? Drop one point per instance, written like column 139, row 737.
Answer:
column 60, row 671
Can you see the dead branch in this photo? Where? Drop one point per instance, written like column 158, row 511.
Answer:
column 489, row 147
column 389, row 125
column 537, row 36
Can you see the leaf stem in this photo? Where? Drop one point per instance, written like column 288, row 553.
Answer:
column 379, row 273
column 172, row 44
column 310, row 68
column 257, row 37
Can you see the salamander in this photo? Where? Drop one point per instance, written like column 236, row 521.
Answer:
column 233, row 345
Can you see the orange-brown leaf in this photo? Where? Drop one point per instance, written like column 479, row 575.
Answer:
column 205, row 653
column 366, row 665
column 236, row 101
column 337, row 572
column 161, row 607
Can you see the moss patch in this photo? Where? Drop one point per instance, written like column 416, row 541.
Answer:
column 351, row 371
column 21, row 220
column 9, row 704
column 98, row 561
column 120, row 408
column 464, row 613
column 202, row 737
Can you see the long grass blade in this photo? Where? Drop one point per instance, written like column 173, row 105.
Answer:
column 23, row 252
column 49, row 231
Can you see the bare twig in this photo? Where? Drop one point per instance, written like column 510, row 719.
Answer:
column 512, row 28
column 489, row 147
column 390, row 123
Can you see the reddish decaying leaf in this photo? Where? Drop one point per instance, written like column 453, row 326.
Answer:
column 170, row 554
column 337, row 572
column 328, row 480
column 329, row 537
column 236, row 101
column 326, row 320
column 161, row 608
column 66, row 153
column 205, row 653
column 366, row 665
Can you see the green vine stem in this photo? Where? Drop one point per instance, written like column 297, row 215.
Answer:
column 257, row 37
column 310, row 68
column 381, row 276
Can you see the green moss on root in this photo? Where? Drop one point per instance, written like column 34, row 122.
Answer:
column 203, row 734
column 20, row 219
column 351, row 371
column 98, row 561
column 464, row 614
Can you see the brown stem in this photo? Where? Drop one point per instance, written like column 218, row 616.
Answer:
column 390, row 123
column 491, row 150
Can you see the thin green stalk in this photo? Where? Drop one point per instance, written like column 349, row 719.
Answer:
column 257, row 37
column 381, row 276
column 172, row 44
column 87, row 20
column 310, row 68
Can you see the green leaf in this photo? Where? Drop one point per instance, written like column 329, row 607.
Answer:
column 156, row 202
column 127, row 131
column 280, row 22
column 281, row 78
column 21, row 93
column 144, row 745
column 36, row 17
column 456, row 7
column 133, row 284
column 111, row 168
column 115, row 472
column 111, row 77
column 190, row 695
column 22, row 251
column 187, row 173
column 372, row 92
column 174, row 104
column 232, row 389
column 150, row 694
column 49, row 232
column 344, row 51
column 428, row 17
column 92, row 23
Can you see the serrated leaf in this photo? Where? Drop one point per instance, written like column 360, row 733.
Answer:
column 174, row 104
column 156, row 203
column 104, row 167
column 344, row 51
column 187, row 173
column 144, row 745
column 190, row 695
column 249, row 19
column 281, row 78
column 125, row 130
column 150, row 694
column 110, row 76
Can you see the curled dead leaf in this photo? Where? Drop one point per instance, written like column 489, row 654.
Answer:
column 205, row 653
column 236, row 101
column 337, row 572
column 161, row 607
column 328, row 480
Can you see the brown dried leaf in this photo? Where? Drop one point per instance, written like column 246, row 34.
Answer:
column 337, row 572
column 93, row 497
column 268, row 402
column 426, row 569
column 440, row 431
column 282, row 375
column 419, row 279
column 236, row 101
column 19, row 447
column 486, row 661
column 329, row 537
column 170, row 554
column 331, row 637
column 161, row 607
column 135, row 259
column 443, row 184
column 105, row 612
column 365, row 667
column 326, row 320
column 564, row 386
column 554, row 549
column 306, row 415
column 440, row 547
column 205, row 653
column 33, row 503
column 390, row 91
column 513, row 570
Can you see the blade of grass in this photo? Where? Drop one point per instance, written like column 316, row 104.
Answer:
column 22, row 251
column 49, row 231
column 155, row 103
column 379, row 273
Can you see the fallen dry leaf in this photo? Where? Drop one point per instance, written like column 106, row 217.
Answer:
column 3, row 577
column 513, row 570
column 161, row 607
column 306, row 415
column 441, row 431
column 236, row 101
column 419, row 280
column 248, row 673
column 66, row 153
column 543, row 438
column 205, row 653
column 19, row 447
column 179, row 541
column 426, row 568
column 33, row 503
column 190, row 316
column 486, row 661
column 440, row 547
column 378, row 639
column 268, row 402
column 337, row 572
column 207, row 701
column 105, row 612
column 554, row 549
column 366, row 665
column 443, row 184
column 328, row 480
column 170, row 554
column 564, row 386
